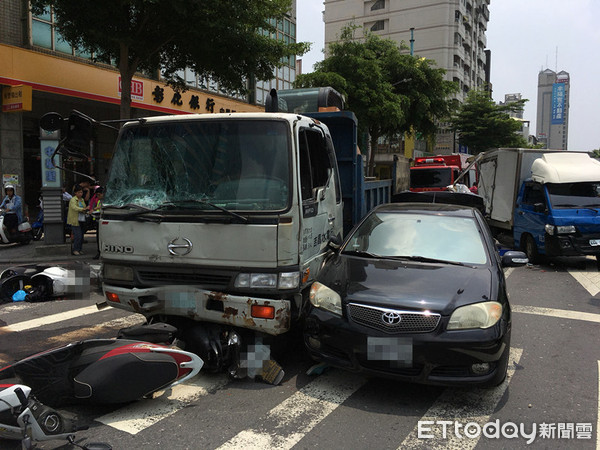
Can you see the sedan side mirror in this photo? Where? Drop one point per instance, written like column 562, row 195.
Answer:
column 513, row 258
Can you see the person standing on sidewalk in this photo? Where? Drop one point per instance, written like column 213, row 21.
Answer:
column 76, row 218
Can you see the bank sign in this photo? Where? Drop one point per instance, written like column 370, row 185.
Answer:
column 558, row 103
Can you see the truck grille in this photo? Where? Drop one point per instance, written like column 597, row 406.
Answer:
column 392, row 320
column 213, row 280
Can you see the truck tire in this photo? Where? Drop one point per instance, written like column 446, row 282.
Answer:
column 530, row 249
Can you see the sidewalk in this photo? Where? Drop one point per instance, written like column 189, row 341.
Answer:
column 40, row 252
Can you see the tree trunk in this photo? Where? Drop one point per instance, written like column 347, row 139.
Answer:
column 126, row 76
column 373, row 140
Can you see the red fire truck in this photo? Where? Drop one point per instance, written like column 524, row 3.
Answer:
column 436, row 173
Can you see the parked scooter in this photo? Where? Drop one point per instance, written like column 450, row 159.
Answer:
column 102, row 371
column 23, row 235
column 37, row 227
column 24, row 418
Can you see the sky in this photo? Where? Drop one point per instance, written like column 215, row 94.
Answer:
column 525, row 37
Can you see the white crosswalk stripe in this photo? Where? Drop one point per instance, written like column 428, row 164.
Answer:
column 291, row 420
column 462, row 406
column 146, row 412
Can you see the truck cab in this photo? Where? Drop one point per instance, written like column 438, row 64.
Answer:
column 222, row 218
column 557, row 212
column 438, row 172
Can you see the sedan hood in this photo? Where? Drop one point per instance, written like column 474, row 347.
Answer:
column 411, row 285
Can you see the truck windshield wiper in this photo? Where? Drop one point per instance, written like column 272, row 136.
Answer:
column 206, row 202
column 425, row 259
column 361, row 253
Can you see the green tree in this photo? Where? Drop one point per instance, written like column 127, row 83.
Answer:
column 227, row 41
column 481, row 124
column 595, row 153
column 390, row 92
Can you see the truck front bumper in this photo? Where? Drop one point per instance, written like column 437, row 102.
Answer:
column 572, row 244
column 202, row 305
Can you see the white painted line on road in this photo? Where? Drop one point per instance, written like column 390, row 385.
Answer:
column 286, row 424
column 508, row 271
column 461, row 406
column 560, row 313
column 146, row 412
column 54, row 318
column 589, row 280
column 598, row 424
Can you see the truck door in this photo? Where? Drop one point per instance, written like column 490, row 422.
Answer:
column 530, row 215
column 320, row 196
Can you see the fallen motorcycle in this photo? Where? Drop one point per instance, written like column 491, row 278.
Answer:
column 102, row 371
column 24, row 418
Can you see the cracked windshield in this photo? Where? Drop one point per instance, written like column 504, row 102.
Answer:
column 238, row 165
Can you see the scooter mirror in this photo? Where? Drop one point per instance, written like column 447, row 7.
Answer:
column 51, row 121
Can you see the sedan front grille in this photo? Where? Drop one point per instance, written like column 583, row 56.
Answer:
column 393, row 320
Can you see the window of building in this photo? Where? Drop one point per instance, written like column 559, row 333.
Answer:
column 377, row 26
column 379, row 4
column 44, row 34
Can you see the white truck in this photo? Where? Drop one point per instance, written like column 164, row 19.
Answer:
column 219, row 223
column 548, row 201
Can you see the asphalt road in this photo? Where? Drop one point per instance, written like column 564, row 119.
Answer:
column 550, row 400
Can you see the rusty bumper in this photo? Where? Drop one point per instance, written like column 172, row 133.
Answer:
column 201, row 305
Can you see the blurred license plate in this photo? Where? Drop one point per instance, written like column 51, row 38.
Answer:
column 594, row 242
column 398, row 351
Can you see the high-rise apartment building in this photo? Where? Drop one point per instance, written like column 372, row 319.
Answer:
column 449, row 32
column 552, row 124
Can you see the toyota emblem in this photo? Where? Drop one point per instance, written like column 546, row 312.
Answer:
column 391, row 318
column 177, row 248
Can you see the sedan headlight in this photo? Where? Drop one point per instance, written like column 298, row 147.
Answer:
column 325, row 298
column 284, row 280
column 478, row 315
column 114, row 272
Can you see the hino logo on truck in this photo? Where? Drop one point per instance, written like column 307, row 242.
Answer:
column 117, row 248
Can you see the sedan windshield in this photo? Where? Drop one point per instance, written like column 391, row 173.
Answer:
column 420, row 237
column 212, row 165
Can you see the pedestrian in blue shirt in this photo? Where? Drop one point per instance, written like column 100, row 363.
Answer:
column 13, row 209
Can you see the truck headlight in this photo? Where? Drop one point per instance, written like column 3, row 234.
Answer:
column 114, row 272
column 325, row 298
column 560, row 229
column 283, row 280
column 477, row 315
column 566, row 229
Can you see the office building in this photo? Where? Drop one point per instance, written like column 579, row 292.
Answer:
column 552, row 124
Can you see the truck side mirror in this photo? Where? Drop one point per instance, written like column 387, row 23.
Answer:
column 335, row 242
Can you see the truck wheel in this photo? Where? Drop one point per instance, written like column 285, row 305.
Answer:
column 530, row 249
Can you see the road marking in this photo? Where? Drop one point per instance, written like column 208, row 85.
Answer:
column 589, row 279
column 461, row 406
column 93, row 331
column 146, row 412
column 560, row 313
column 54, row 318
column 508, row 271
column 291, row 420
